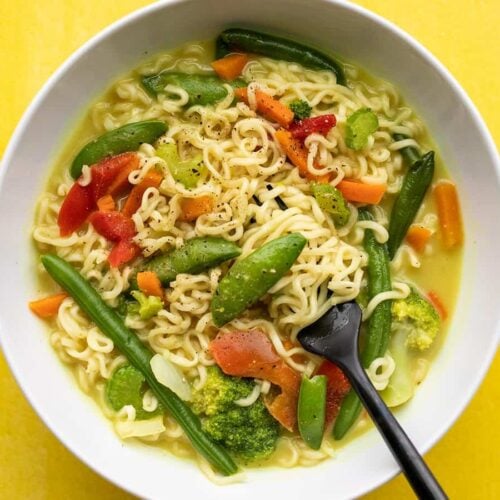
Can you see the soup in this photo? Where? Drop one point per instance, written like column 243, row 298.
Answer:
column 205, row 211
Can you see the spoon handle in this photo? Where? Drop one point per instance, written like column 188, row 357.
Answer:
column 422, row 481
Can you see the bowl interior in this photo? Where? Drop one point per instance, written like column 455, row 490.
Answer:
column 357, row 35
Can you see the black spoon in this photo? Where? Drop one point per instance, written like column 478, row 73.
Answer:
column 335, row 336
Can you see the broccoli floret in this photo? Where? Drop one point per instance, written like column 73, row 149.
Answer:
column 220, row 392
column 147, row 307
column 248, row 431
column 419, row 318
column 301, row 109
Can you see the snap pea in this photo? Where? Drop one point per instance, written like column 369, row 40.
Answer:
column 415, row 184
column 311, row 410
column 379, row 324
column 121, row 139
column 409, row 153
column 139, row 356
column 238, row 39
column 195, row 256
column 250, row 278
column 202, row 89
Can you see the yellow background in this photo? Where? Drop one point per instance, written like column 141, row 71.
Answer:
column 36, row 37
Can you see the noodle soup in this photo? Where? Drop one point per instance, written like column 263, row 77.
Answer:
column 237, row 210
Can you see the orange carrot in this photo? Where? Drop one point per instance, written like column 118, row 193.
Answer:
column 134, row 200
column 149, row 283
column 106, row 203
column 418, row 236
column 270, row 108
column 192, row 208
column 231, row 66
column 48, row 306
column 436, row 302
column 297, row 154
column 362, row 193
column 298, row 358
column 120, row 182
column 449, row 214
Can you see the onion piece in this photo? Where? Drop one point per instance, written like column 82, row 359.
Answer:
column 170, row 376
column 140, row 428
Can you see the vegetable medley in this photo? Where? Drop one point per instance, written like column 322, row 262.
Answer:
column 246, row 201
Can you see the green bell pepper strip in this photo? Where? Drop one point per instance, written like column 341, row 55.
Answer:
column 187, row 172
column 139, row 356
column 331, row 200
column 311, row 410
column 195, row 256
column 379, row 324
column 120, row 140
column 250, row 278
column 238, row 39
column 415, row 184
column 359, row 126
column 125, row 387
column 202, row 89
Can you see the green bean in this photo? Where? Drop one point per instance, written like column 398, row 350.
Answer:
column 311, row 410
column 415, row 184
column 122, row 139
column 202, row 89
column 195, row 256
column 139, row 356
column 250, row 278
column 238, row 39
column 379, row 324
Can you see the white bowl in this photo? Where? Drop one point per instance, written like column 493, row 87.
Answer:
column 356, row 34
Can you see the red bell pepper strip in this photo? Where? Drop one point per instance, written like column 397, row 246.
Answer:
column 337, row 387
column 106, row 172
column 118, row 228
column 82, row 200
column 114, row 226
column 123, row 252
column 318, row 124
column 251, row 354
column 75, row 209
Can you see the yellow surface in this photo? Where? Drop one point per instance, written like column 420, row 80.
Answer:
column 35, row 38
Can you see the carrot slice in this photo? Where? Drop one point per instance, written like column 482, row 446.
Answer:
column 298, row 358
column 270, row 108
column 449, row 214
column 251, row 354
column 106, row 203
column 134, row 200
column 362, row 193
column 297, row 154
column 192, row 208
column 231, row 66
column 48, row 306
column 418, row 236
column 149, row 283
column 438, row 304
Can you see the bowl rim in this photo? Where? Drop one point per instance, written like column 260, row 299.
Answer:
column 372, row 17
